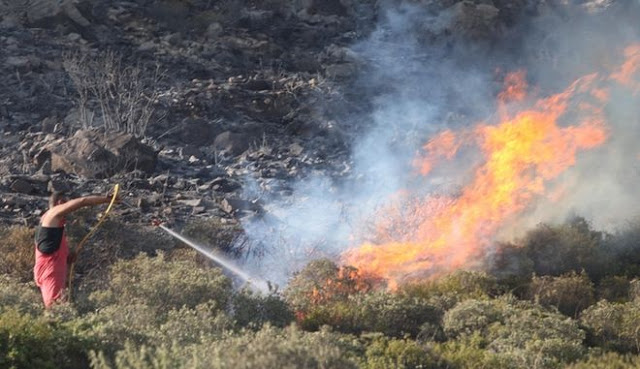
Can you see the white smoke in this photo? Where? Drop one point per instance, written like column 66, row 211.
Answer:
column 425, row 81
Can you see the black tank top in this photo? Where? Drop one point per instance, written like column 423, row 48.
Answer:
column 48, row 239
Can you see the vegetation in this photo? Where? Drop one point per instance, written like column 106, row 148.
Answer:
column 170, row 311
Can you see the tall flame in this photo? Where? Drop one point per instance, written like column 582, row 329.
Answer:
column 520, row 156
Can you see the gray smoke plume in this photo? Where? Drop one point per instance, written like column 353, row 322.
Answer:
column 427, row 69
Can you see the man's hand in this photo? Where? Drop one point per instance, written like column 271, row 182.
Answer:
column 110, row 196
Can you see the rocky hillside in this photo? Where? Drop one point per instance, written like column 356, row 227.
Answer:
column 186, row 103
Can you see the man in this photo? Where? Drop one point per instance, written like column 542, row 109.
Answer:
column 52, row 251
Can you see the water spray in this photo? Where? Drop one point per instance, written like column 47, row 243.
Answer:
column 260, row 284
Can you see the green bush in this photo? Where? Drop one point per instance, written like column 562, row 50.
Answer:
column 447, row 291
column 570, row 293
column 610, row 360
column 531, row 336
column 138, row 324
column 393, row 314
column 613, row 326
column 472, row 316
column 385, row 353
column 267, row 348
column 468, row 352
column 624, row 246
column 163, row 285
column 36, row 342
column 520, row 334
column 323, row 282
column 559, row 249
column 254, row 310
column 614, row 289
column 19, row 296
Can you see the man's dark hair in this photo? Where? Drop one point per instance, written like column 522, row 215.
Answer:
column 55, row 198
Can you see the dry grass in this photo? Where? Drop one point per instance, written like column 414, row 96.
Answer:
column 17, row 249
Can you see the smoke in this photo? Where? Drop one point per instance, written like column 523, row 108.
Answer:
column 429, row 69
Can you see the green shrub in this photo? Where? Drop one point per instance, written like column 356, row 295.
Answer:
column 520, row 334
column 559, row 249
column 17, row 247
column 114, row 325
column 472, row 316
column 531, row 336
column 393, row 314
column 570, row 293
column 512, row 268
column 385, row 312
column 614, row 289
column 254, row 310
column 610, row 360
column 20, row 296
column 163, row 285
column 35, row 342
column 613, row 326
column 468, row 352
column 624, row 246
column 447, row 291
column 385, row 353
column 185, row 326
column 267, row 348
column 323, row 282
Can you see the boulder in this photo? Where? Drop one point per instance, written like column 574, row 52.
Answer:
column 232, row 143
column 22, row 186
column 473, row 20
column 94, row 154
column 197, row 132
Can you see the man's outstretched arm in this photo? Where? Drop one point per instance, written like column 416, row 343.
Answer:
column 53, row 217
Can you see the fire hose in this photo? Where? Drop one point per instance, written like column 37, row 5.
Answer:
column 222, row 261
column 86, row 238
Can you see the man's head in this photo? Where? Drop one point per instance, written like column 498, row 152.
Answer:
column 56, row 198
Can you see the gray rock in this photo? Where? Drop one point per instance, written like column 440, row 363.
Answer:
column 22, row 186
column 58, row 185
column 232, row 143
column 233, row 205
column 190, row 202
column 197, row 132
column 224, row 185
column 473, row 20
column 93, row 154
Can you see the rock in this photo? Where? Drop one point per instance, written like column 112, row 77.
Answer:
column 190, row 202
column 44, row 12
column 295, row 149
column 224, row 185
column 93, row 154
column 58, row 185
column 42, row 157
column 341, row 71
column 214, row 30
column 232, row 143
column 22, row 61
column 325, row 7
column 232, row 206
column 22, row 186
column 48, row 124
column 189, row 150
column 197, row 132
column 473, row 20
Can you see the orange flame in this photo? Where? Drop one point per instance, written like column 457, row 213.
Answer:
column 521, row 155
